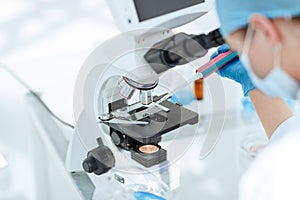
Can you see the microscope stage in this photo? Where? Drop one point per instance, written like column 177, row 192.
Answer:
column 159, row 122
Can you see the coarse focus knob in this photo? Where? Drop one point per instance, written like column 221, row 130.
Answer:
column 99, row 160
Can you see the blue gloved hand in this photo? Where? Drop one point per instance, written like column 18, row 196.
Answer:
column 146, row 196
column 185, row 97
column 235, row 71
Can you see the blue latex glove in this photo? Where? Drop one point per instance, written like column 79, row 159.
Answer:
column 146, row 196
column 185, row 97
column 235, row 71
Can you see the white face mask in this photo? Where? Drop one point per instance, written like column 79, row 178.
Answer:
column 277, row 83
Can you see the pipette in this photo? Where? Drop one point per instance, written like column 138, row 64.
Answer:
column 201, row 73
column 210, row 67
column 216, row 63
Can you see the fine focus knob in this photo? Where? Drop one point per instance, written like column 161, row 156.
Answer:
column 89, row 165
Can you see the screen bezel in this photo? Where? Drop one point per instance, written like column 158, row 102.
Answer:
column 126, row 17
column 142, row 17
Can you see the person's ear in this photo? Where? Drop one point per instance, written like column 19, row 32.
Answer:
column 267, row 27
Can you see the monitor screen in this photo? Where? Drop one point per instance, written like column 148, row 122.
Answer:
column 147, row 9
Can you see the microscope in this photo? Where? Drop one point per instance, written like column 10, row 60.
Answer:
column 122, row 104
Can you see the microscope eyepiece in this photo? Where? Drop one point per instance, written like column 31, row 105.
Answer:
column 181, row 49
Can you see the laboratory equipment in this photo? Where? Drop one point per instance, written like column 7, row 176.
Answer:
column 121, row 101
column 181, row 49
column 199, row 89
column 139, row 14
column 216, row 63
column 255, row 138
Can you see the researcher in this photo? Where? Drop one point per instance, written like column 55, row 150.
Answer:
column 266, row 34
